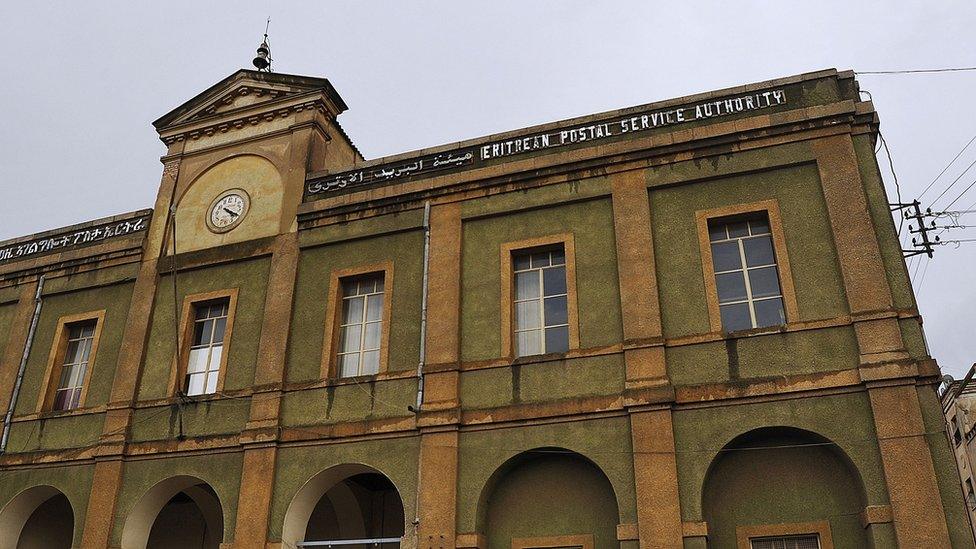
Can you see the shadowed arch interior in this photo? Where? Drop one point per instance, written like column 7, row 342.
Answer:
column 180, row 511
column 37, row 518
column 349, row 501
column 548, row 492
column 782, row 475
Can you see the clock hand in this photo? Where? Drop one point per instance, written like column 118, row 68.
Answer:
column 232, row 214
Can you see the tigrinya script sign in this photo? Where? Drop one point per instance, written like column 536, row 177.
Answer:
column 81, row 237
column 478, row 154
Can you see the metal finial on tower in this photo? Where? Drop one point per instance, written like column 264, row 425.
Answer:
column 263, row 59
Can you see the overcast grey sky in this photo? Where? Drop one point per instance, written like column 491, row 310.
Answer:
column 84, row 80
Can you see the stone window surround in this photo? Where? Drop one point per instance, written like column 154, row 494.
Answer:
column 187, row 315
column 745, row 534
column 771, row 209
column 55, row 361
column 330, row 341
column 585, row 541
column 507, row 301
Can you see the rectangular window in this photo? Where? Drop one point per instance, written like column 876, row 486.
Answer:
column 361, row 325
column 80, row 338
column 541, row 302
column 206, row 346
column 787, row 542
column 970, row 495
column 746, row 273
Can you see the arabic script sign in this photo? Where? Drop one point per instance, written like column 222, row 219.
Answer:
column 614, row 127
column 42, row 246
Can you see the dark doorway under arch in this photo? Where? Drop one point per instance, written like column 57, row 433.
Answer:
column 362, row 506
column 50, row 526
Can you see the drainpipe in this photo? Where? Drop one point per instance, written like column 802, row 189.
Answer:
column 423, row 313
column 23, row 365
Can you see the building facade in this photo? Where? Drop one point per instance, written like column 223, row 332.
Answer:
column 683, row 324
column 959, row 403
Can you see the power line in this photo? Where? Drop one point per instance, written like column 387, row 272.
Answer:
column 921, row 281
column 962, row 193
column 951, row 162
column 954, row 181
column 891, row 166
column 919, row 71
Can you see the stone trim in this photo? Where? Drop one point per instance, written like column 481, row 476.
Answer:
column 508, row 289
column 584, row 541
column 771, row 208
column 743, row 534
column 55, row 361
column 330, row 340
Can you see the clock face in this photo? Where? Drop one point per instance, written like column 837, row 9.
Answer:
column 228, row 210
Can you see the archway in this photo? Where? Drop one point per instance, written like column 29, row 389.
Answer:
column 783, row 480
column 37, row 518
column 549, row 497
column 178, row 512
column 345, row 503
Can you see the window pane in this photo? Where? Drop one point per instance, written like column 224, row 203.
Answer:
column 735, row 317
column 65, row 380
column 350, row 287
column 194, row 384
column 739, row 228
column 374, row 331
column 759, row 226
column 198, row 360
column 716, row 231
column 558, row 257
column 202, row 332
column 759, row 251
column 540, row 259
column 725, row 256
column 374, row 307
column 352, row 311
column 371, row 363
column 764, row 282
column 731, row 287
column 554, row 280
column 557, row 339
column 220, row 326
column 529, row 343
column 527, row 285
column 556, row 311
column 379, row 283
column 216, row 352
column 349, row 338
column 769, row 312
column 88, row 329
column 212, row 383
column 521, row 262
column 527, row 315
column 73, row 353
column 78, row 375
column 61, row 399
column 349, row 365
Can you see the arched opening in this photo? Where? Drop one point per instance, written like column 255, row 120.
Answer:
column 175, row 513
column 37, row 518
column 783, row 476
column 549, row 497
column 347, row 504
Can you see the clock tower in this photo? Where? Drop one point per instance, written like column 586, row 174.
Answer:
column 237, row 158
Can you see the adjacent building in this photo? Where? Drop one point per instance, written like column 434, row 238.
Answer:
column 959, row 404
column 682, row 324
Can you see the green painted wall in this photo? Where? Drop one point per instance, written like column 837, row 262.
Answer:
column 809, row 241
column 769, row 482
column 551, row 495
column 768, row 356
column 114, row 300
column 596, row 273
column 250, row 278
column 885, row 228
column 205, row 417
column 73, row 481
column 846, row 420
column 7, row 311
column 315, row 266
column 543, row 381
column 483, row 455
column 350, row 402
column 221, row 471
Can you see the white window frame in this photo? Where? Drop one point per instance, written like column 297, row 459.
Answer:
column 541, row 298
column 750, row 301
column 379, row 288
